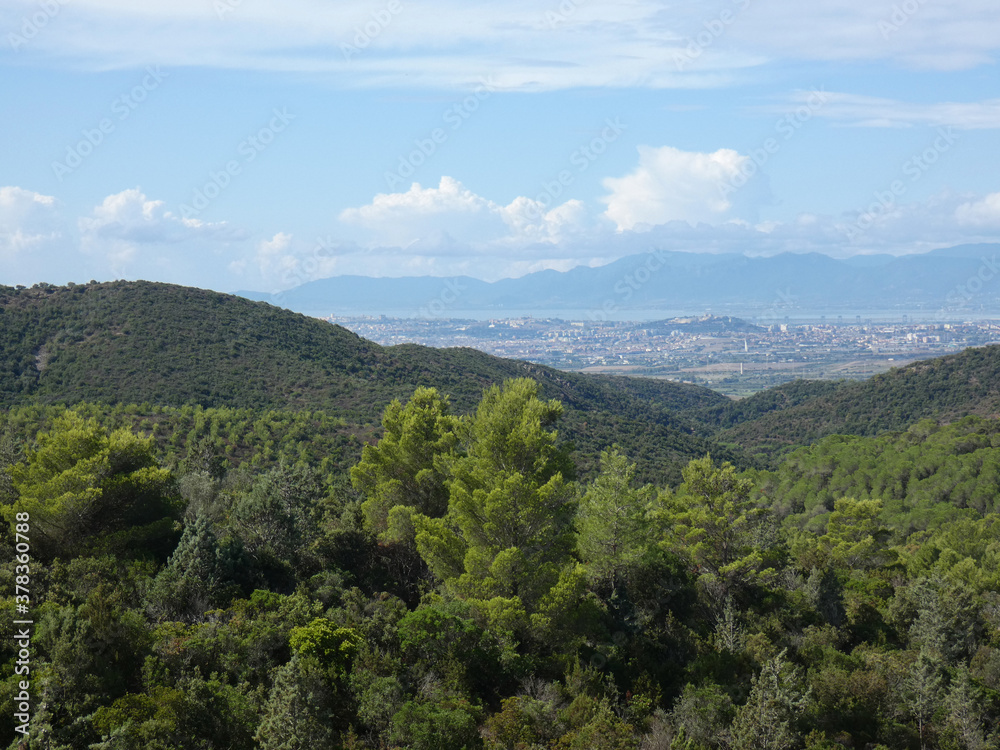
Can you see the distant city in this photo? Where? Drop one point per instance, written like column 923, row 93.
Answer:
column 730, row 355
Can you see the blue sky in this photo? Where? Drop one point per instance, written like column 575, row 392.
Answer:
column 238, row 144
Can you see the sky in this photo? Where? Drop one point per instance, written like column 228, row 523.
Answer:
column 251, row 145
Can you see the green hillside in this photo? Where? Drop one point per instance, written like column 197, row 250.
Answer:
column 732, row 413
column 230, row 542
column 161, row 345
column 944, row 389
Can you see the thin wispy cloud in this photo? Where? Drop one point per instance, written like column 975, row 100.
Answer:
column 530, row 46
column 870, row 111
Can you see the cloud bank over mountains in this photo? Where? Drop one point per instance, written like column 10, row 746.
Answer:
column 672, row 200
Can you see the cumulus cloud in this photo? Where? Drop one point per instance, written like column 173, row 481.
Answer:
column 126, row 223
column 674, row 185
column 983, row 213
column 131, row 217
column 453, row 215
column 656, row 206
column 275, row 259
column 27, row 221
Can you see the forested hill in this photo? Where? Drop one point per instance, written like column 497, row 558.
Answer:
column 159, row 344
column 944, row 389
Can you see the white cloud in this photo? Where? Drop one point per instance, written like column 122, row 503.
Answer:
column 130, row 216
column 674, row 185
column 583, row 239
column 983, row 213
column 126, row 222
column 27, row 221
column 870, row 111
column 519, row 44
column 435, row 43
column 274, row 257
column 452, row 215
column 916, row 34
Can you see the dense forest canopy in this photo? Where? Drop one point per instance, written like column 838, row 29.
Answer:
column 502, row 557
column 461, row 587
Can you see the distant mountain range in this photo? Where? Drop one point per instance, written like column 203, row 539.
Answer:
column 949, row 282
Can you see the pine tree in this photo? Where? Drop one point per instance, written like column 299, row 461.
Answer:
column 612, row 520
column 965, row 718
column 296, row 716
column 924, row 692
column 87, row 489
column 277, row 519
column 767, row 720
column 730, row 542
column 194, row 579
column 855, row 538
column 403, row 470
column 507, row 538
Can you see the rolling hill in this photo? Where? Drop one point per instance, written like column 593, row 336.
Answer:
column 944, row 389
column 163, row 345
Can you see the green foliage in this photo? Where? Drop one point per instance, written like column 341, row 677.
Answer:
column 767, row 720
column 603, row 730
column 86, row 489
column 107, row 343
column 404, row 468
column 297, row 714
column 553, row 616
column 507, row 537
column 728, row 539
column 447, row 723
column 276, row 520
column 333, row 647
column 945, row 389
column 199, row 576
column 924, row 477
column 702, row 716
column 966, row 551
column 855, row 539
column 924, row 693
column 613, row 520
column 964, row 726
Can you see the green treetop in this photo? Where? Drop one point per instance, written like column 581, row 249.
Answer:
column 85, row 489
